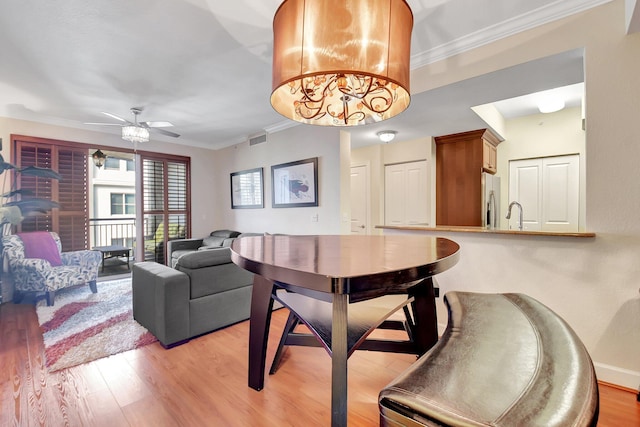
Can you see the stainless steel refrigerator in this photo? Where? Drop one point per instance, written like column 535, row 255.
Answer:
column 490, row 201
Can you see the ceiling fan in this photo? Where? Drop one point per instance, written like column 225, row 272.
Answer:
column 153, row 126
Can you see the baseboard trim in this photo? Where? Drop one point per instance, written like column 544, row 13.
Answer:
column 624, row 378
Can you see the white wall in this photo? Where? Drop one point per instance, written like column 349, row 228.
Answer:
column 379, row 155
column 543, row 135
column 538, row 135
column 297, row 143
column 592, row 283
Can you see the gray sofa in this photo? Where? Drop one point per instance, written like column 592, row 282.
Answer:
column 204, row 291
column 216, row 239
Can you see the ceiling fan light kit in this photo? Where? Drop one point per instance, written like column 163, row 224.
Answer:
column 135, row 134
column 341, row 62
column 138, row 132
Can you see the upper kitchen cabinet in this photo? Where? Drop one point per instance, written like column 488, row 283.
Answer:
column 461, row 159
column 489, row 155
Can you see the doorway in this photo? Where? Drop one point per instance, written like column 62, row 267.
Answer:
column 360, row 200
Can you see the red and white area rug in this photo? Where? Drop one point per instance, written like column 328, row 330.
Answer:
column 83, row 326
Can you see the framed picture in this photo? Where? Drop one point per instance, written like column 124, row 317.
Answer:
column 295, row 184
column 247, row 189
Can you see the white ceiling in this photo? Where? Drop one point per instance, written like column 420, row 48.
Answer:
column 205, row 65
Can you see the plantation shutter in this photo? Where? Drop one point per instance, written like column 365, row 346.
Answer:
column 166, row 203
column 71, row 220
column 39, row 155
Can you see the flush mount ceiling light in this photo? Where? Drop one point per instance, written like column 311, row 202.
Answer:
column 386, row 135
column 550, row 104
column 341, row 62
column 98, row 158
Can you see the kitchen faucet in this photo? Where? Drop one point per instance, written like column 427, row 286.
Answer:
column 520, row 217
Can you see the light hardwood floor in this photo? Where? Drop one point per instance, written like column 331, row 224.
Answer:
column 201, row 383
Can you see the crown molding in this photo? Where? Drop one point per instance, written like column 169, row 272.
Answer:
column 286, row 124
column 543, row 15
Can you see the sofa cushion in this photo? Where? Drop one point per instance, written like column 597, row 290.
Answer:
column 177, row 254
column 215, row 241
column 224, row 233
column 207, row 258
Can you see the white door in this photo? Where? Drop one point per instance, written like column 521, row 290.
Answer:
column 560, row 190
column 359, row 200
column 394, row 190
column 406, row 194
column 548, row 190
column 416, row 202
column 525, row 187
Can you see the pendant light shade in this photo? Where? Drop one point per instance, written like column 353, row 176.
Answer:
column 341, row 62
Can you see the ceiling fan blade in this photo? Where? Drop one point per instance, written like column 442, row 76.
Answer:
column 156, row 124
column 104, row 124
column 165, row 132
column 116, row 117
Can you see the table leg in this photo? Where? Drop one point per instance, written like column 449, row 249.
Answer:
column 261, row 306
column 424, row 311
column 339, row 361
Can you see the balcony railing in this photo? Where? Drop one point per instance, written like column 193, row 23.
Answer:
column 122, row 232
column 112, row 231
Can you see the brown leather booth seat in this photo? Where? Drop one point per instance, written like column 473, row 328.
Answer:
column 504, row 360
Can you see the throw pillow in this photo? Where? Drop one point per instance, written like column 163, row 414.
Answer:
column 40, row 244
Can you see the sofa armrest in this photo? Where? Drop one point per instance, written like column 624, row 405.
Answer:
column 161, row 301
column 226, row 243
column 182, row 244
column 205, row 258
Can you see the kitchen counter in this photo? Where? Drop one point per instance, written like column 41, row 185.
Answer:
column 463, row 229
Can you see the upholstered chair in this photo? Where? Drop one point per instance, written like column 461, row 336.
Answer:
column 37, row 264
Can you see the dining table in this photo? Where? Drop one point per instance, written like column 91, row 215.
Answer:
column 341, row 271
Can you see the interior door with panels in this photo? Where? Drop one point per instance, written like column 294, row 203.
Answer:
column 548, row 190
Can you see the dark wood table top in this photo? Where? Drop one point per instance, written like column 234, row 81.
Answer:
column 361, row 266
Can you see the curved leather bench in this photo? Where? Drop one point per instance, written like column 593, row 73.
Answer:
column 504, row 360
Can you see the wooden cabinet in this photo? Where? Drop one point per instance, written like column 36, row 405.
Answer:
column 460, row 160
column 489, row 157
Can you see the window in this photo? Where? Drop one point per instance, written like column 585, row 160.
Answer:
column 123, row 204
column 112, row 163
column 164, row 197
column 165, row 202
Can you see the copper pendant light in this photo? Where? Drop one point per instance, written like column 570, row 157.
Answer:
column 341, row 62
